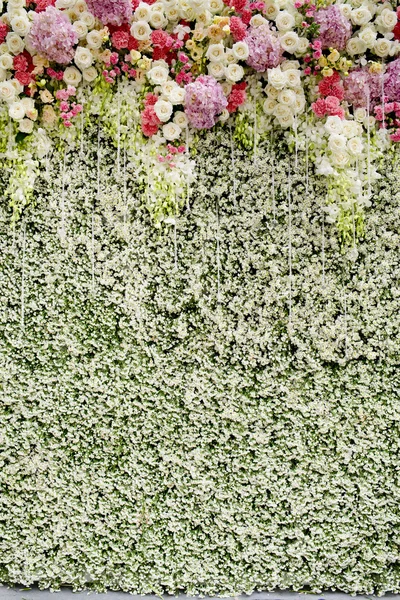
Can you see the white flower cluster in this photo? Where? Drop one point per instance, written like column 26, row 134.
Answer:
column 285, row 95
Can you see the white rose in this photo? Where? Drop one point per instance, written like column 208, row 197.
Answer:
column 382, row 47
column 234, row 72
column 80, row 6
column 224, row 116
column 289, row 41
column 180, row 119
column 7, row 91
column 72, row 76
column 42, row 143
column 269, row 106
column 271, row 10
column 20, row 25
column 26, row 126
column 333, row 124
column 226, row 87
column 171, row 131
column 360, row 114
column 167, row 87
column 287, row 97
column 65, row 3
column 28, row 104
column 172, row 13
column 360, row 16
column 216, row 53
column 277, row 78
column 303, row 45
column 216, row 70
column 143, row 12
column 94, row 39
column 215, row 6
column 356, row 46
column 355, row 146
column 15, row 43
column 18, row 87
column 230, row 58
column 3, row 74
column 351, row 129
column 336, row 142
column 16, row 111
column 87, row 18
column 158, row 75
column 300, row 103
column 80, row 28
column 6, row 61
column 369, row 120
column 340, row 159
column 388, row 19
column 271, row 91
column 240, row 50
column 83, row 57
column 89, row 74
column 177, row 95
column 163, row 110
column 257, row 21
column 284, row 115
column 14, row 4
column 284, row 21
column 368, row 36
column 158, row 19
column 141, row 30
column 293, row 78
column 345, row 9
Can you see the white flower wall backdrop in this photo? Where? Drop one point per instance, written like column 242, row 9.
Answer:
column 213, row 408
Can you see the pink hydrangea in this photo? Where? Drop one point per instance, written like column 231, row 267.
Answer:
column 358, row 84
column 334, row 29
column 204, row 101
column 53, row 36
column 392, row 81
column 111, row 12
column 265, row 50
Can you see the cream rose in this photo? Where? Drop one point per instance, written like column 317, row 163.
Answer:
column 333, row 124
column 65, row 3
column 360, row 16
column 81, row 29
column 15, row 43
column 215, row 6
column 7, row 91
column 360, row 114
column 46, row 96
column 20, row 25
column 382, row 47
column 177, row 95
column 216, row 53
column 141, row 30
column 89, row 74
column 83, row 57
column 49, row 117
column 269, row 106
column 277, row 78
column 143, row 12
column 293, row 78
column 94, row 39
column 355, row 146
column 368, row 36
column 171, row 131
column 16, row 111
column 257, row 21
column 234, row 72
column 356, row 46
column 336, row 143
column 158, row 75
column 287, row 97
column 3, row 74
column 180, row 119
column 87, row 18
column 216, row 70
column 284, row 115
column 340, row 159
column 303, row 45
column 157, row 19
column 284, row 21
column 25, row 125
column 6, row 61
column 289, row 41
column 388, row 19
column 72, row 76
column 163, row 110
column 271, row 10
column 240, row 50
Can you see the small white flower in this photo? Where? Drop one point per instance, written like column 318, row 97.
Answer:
column 284, row 115
column 287, row 97
column 216, row 70
column 257, row 21
column 355, row 146
column 368, row 36
column 356, row 46
column 387, row 19
column 293, row 78
column 7, row 91
column 269, row 106
column 361, row 15
column 382, row 47
column 336, row 143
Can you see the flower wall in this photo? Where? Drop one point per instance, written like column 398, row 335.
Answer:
column 214, row 409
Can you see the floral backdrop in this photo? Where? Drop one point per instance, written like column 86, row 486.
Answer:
column 323, row 76
column 213, row 410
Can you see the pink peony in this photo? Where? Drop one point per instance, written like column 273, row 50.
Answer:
column 265, row 50
column 53, row 36
column 204, row 101
column 111, row 12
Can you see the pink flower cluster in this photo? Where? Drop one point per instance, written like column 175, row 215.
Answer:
column 360, row 84
column 111, row 12
column 53, row 36
column 328, row 106
column 68, row 109
column 392, row 81
column 149, row 119
column 204, row 101
column 265, row 50
column 334, row 29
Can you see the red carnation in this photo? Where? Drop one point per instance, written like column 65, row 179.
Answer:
column 150, row 121
column 246, row 16
column 23, row 77
column 238, row 29
column 3, row 31
column 331, row 86
column 396, row 31
column 20, row 63
column 236, row 98
column 159, row 37
column 133, row 44
column 238, row 5
column 120, row 39
column 150, row 100
column 43, row 4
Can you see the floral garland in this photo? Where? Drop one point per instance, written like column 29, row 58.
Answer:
column 155, row 73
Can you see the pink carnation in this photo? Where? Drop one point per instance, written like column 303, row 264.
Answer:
column 238, row 29
column 53, row 36
column 204, row 101
column 334, row 29
column 265, row 50
column 120, row 39
column 111, row 12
